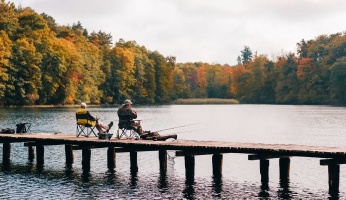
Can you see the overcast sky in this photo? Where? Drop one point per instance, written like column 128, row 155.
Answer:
column 213, row 31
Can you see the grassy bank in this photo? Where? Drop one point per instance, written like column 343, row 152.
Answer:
column 205, row 101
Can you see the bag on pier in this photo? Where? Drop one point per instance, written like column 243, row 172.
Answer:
column 7, row 130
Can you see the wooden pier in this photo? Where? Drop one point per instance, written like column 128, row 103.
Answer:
column 330, row 156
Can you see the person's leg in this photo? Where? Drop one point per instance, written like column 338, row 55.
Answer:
column 103, row 127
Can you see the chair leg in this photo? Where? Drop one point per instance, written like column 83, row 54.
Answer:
column 123, row 133
column 93, row 131
column 134, row 134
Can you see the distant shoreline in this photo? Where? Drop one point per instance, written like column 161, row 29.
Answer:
column 205, row 101
column 193, row 101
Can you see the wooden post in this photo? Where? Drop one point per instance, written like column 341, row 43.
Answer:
column 284, row 164
column 111, row 158
column 217, row 165
column 264, row 169
column 333, row 178
column 69, row 154
column 133, row 161
column 6, row 151
column 40, row 155
column 86, row 155
column 163, row 160
column 31, row 153
column 189, row 167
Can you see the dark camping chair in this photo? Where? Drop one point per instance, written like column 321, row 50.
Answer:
column 23, row 127
column 85, row 126
column 127, row 129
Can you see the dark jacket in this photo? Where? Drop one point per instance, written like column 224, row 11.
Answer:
column 125, row 115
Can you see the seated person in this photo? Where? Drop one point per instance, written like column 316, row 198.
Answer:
column 84, row 117
column 126, row 119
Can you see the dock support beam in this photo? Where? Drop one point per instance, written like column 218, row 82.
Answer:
column 284, row 164
column 31, row 153
column 333, row 178
column 133, row 161
column 86, row 156
column 217, row 165
column 6, row 151
column 190, row 167
column 40, row 155
column 163, row 160
column 69, row 154
column 111, row 158
column 264, row 169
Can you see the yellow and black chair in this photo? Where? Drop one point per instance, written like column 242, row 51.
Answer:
column 127, row 130
column 85, row 126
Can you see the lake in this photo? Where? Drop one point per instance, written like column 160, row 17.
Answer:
column 272, row 124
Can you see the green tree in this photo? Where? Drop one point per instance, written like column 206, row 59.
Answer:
column 27, row 74
column 338, row 82
column 288, row 86
column 5, row 55
column 246, row 55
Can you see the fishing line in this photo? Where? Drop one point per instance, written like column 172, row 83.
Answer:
column 175, row 127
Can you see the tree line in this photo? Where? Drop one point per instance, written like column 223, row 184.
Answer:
column 42, row 62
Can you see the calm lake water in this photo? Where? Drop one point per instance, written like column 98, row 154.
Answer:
column 273, row 124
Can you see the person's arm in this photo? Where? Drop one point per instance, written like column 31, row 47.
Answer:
column 90, row 117
column 133, row 114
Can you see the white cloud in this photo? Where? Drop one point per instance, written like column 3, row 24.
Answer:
column 202, row 30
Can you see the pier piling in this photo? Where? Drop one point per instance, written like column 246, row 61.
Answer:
column 6, row 151
column 133, row 161
column 264, row 169
column 31, row 153
column 284, row 164
column 189, row 167
column 111, row 158
column 40, row 155
column 333, row 178
column 69, row 154
column 86, row 156
column 217, row 165
column 163, row 160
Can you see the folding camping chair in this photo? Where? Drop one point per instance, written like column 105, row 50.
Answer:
column 127, row 130
column 85, row 126
column 23, row 127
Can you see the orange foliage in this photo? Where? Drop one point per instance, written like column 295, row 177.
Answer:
column 237, row 73
column 201, row 78
column 304, row 66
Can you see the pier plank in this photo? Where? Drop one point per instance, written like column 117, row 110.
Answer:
column 207, row 147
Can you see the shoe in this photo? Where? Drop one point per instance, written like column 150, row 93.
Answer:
column 109, row 126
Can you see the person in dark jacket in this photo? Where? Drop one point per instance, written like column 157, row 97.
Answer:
column 85, row 118
column 127, row 118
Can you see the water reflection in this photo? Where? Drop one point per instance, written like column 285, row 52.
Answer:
column 133, row 179
column 6, row 166
column 264, row 190
column 86, row 176
column 111, row 176
column 284, row 189
column 162, row 183
column 309, row 125
column 217, row 185
column 189, row 190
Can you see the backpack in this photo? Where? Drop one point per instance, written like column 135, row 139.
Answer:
column 7, row 130
column 21, row 128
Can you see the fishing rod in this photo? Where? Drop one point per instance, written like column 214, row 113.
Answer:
column 174, row 127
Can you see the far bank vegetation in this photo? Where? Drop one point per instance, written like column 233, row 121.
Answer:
column 205, row 101
column 44, row 63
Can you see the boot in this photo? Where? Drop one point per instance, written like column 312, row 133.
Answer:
column 109, row 126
